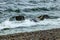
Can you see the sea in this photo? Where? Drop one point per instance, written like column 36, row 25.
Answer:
column 30, row 9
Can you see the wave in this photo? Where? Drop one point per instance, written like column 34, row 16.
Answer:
column 13, row 24
column 28, row 23
column 41, row 9
column 12, row 10
column 35, row 9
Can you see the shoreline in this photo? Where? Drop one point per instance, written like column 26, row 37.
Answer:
column 52, row 34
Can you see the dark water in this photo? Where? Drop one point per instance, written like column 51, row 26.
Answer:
column 29, row 9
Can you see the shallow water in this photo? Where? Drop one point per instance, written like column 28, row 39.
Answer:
column 30, row 9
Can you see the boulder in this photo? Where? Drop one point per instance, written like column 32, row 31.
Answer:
column 17, row 18
column 42, row 17
column 35, row 20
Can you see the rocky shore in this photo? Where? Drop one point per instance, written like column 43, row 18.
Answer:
column 53, row 34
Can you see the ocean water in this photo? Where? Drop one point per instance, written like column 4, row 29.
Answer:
column 30, row 9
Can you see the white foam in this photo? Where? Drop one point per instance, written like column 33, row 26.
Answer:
column 28, row 23
column 13, row 24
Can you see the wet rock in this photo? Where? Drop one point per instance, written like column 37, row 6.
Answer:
column 17, row 18
column 42, row 17
column 35, row 20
